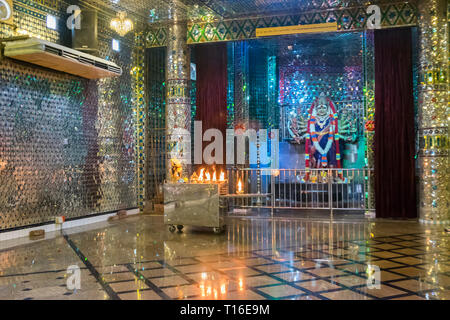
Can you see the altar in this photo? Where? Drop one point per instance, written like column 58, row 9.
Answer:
column 193, row 204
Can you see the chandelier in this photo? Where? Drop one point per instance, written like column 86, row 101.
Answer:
column 121, row 24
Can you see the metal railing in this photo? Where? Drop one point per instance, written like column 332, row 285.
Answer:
column 332, row 189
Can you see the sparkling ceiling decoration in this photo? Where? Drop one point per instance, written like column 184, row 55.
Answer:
column 121, row 24
column 245, row 8
column 161, row 11
column 348, row 19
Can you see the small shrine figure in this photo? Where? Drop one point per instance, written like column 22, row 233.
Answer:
column 176, row 170
column 194, row 178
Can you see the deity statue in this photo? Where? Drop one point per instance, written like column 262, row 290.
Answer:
column 322, row 129
column 322, row 141
column 176, row 170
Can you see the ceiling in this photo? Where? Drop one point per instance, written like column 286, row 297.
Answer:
column 160, row 11
column 241, row 8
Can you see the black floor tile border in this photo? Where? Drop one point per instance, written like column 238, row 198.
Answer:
column 405, row 277
column 352, row 288
column 299, row 287
column 134, row 291
column 177, row 272
column 255, row 290
column 111, row 293
column 254, row 254
column 149, row 284
column 123, row 281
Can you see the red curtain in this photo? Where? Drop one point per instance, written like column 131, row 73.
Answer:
column 395, row 189
column 211, row 60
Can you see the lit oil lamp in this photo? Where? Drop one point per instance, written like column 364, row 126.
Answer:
column 194, row 178
column 200, row 176
column 239, row 187
column 204, row 176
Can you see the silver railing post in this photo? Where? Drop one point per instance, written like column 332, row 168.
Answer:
column 330, row 193
column 272, row 192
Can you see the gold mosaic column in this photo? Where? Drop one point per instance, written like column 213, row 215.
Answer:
column 433, row 112
column 139, row 102
column 369, row 116
column 178, row 106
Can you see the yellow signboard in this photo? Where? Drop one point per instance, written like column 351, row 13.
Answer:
column 307, row 28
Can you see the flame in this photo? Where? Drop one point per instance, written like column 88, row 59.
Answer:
column 205, row 176
column 200, row 176
column 239, row 186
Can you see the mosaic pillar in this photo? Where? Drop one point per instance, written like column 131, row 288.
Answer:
column 241, row 92
column 273, row 119
column 369, row 116
column 241, row 95
column 138, row 78
column 230, row 88
column 433, row 112
column 178, row 108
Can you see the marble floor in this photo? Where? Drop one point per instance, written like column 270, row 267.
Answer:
column 302, row 259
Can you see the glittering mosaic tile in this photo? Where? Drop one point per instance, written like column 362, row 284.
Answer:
column 59, row 150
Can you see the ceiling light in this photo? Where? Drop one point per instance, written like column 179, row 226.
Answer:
column 51, row 22
column 121, row 24
column 115, row 45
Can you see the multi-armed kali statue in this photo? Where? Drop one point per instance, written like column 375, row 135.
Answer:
column 322, row 131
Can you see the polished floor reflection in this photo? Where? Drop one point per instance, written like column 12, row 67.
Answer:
column 137, row 258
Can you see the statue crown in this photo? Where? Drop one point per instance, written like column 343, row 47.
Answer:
column 322, row 98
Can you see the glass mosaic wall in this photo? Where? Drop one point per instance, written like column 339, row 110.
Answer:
column 156, row 89
column 67, row 144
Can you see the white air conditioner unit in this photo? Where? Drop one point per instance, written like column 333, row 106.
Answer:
column 54, row 56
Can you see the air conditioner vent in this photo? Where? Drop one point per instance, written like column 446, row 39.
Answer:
column 86, row 61
column 53, row 51
column 60, row 58
column 69, row 55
